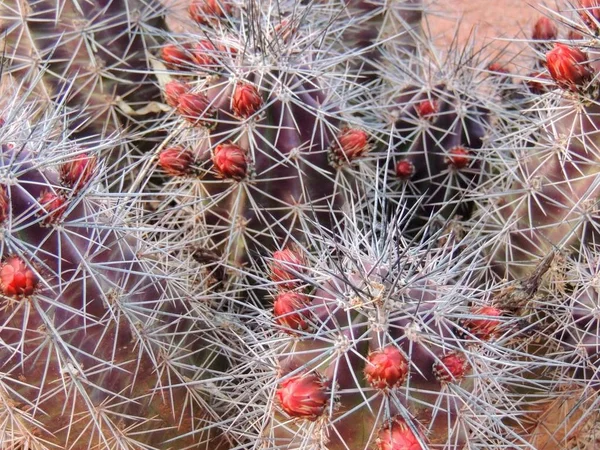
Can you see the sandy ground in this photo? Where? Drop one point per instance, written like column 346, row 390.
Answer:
column 492, row 20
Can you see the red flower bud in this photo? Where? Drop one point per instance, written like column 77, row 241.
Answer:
column 285, row 29
column 173, row 90
column 535, row 82
column 230, row 161
column 351, row 143
column 386, row 368
column 77, row 173
column 483, row 328
column 53, row 207
column 204, row 12
column 397, row 435
column 175, row 56
column 16, row 278
column 544, row 30
column 287, row 265
column 497, row 68
column 196, row 108
column 458, row 157
column 574, row 35
column 589, row 10
column 568, row 67
column 4, row 204
column 176, row 161
column 451, row 368
column 246, row 100
column 427, row 109
column 289, row 310
column 204, row 54
column 304, row 396
column 405, row 169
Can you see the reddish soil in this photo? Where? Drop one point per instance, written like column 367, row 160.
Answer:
column 490, row 19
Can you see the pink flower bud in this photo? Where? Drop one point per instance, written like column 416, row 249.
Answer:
column 451, row 367
column 196, row 108
column 483, row 328
column 405, row 169
column 287, row 265
column 16, row 278
column 568, row 67
column 176, row 161
column 458, row 157
column 351, row 143
column 386, row 368
column 204, row 12
column 427, row 109
column 77, row 173
column 289, row 310
column 246, row 100
column 173, row 90
column 589, row 10
column 53, row 207
column 544, row 29
column 175, row 56
column 230, row 161
column 397, row 435
column 204, row 54
column 304, row 396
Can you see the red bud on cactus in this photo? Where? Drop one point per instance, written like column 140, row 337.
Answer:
column 544, row 30
column 53, row 207
column 288, row 311
column 351, row 143
column 76, row 173
column 427, row 109
column 498, row 68
column 175, row 56
column 397, row 435
column 4, row 204
column 568, row 67
column 589, row 10
column 535, row 82
column 286, row 264
column 483, row 328
column 458, row 157
column 386, row 368
column 176, row 161
column 205, row 11
column 285, row 29
column 574, row 35
column 196, row 108
column 246, row 100
column 304, row 396
column 405, row 169
column 173, row 90
column 16, row 279
column 203, row 54
column 230, row 161
column 451, row 368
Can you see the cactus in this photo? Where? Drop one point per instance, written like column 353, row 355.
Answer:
column 102, row 347
column 92, row 56
column 435, row 118
column 375, row 342
column 262, row 142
